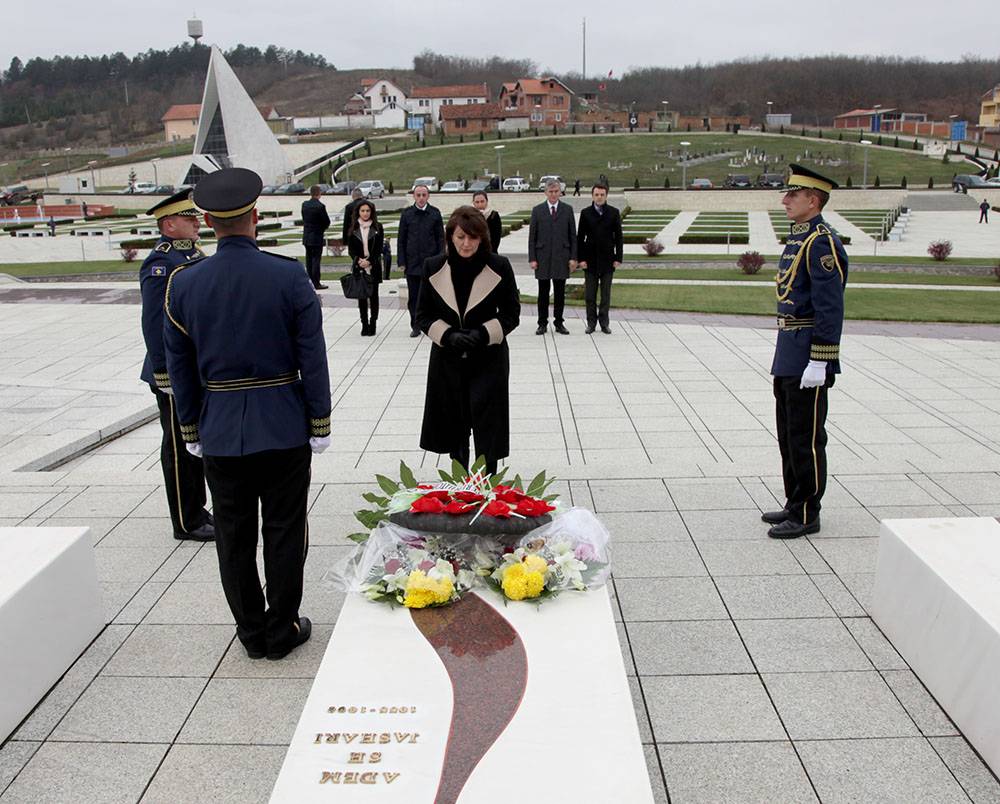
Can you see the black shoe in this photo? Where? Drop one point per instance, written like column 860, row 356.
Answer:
column 255, row 652
column 606, row 329
column 414, row 333
column 775, row 517
column 202, row 533
column 371, row 328
column 541, row 329
column 589, row 330
column 302, row 635
column 209, row 519
column 561, row 329
column 322, row 287
column 365, row 330
column 790, row 529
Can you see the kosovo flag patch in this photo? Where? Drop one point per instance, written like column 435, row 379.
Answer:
column 159, row 270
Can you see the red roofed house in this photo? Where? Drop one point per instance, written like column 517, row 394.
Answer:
column 180, row 122
column 472, row 118
column 547, row 100
column 426, row 102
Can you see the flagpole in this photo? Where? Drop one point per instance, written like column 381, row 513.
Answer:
column 584, row 48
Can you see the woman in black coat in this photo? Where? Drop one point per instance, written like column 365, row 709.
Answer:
column 364, row 245
column 481, row 201
column 468, row 305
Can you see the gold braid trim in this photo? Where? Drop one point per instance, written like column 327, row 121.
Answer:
column 166, row 299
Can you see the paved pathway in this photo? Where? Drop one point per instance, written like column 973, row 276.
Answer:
column 756, row 671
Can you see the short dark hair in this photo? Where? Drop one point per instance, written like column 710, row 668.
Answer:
column 356, row 215
column 471, row 221
column 227, row 226
column 315, row 190
column 600, row 185
column 822, row 197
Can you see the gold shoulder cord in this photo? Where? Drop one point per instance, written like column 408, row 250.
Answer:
column 836, row 260
column 166, row 299
column 789, row 275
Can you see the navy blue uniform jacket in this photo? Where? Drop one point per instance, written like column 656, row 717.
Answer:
column 245, row 351
column 153, row 276
column 811, row 277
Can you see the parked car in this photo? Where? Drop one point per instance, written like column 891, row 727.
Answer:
column 268, row 189
column 430, row 182
column 19, row 194
column 738, row 181
column 290, row 188
column 371, row 188
column 164, row 189
column 516, row 184
column 994, row 182
column 962, row 183
column 453, row 187
column 546, row 179
column 771, row 180
column 324, row 188
column 701, row 184
column 143, row 188
column 481, row 184
column 343, row 188
column 303, row 131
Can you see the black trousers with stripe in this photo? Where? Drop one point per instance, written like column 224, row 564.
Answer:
column 183, row 474
column 278, row 482
column 800, row 415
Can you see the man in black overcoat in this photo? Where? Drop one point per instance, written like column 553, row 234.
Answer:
column 552, row 254
column 315, row 222
column 599, row 247
column 345, row 230
column 421, row 235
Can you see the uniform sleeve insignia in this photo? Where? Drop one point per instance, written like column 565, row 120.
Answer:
column 163, row 247
column 828, row 262
column 159, row 270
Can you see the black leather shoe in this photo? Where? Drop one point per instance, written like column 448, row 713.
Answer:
column 414, row 333
column 302, row 636
column 365, row 331
column 561, row 329
column 790, row 529
column 209, row 519
column 541, row 330
column 255, row 652
column 606, row 330
column 589, row 330
column 774, row 517
column 203, row 533
column 322, row 287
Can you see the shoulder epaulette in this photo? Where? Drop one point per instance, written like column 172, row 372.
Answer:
column 283, row 256
column 822, row 228
column 163, row 247
column 188, row 263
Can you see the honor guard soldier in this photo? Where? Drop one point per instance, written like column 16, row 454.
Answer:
column 178, row 222
column 247, row 358
column 811, row 277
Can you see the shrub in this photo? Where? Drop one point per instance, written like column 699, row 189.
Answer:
column 750, row 262
column 877, row 182
column 666, row 183
column 482, row 136
column 636, row 183
column 517, row 133
column 554, row 129
column 930, row 183
column 903, row 183
column 840, row 136
column 652, row 247
column 996, row 271
column 895, row 142
column 940, row 250
column 129, row 254
column 391, row 189
column 593, row 128
column 848, row 182
column 944, row 159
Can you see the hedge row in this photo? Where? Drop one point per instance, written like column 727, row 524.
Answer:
column 713, row 238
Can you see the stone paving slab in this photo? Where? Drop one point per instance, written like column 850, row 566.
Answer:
column 756, row 672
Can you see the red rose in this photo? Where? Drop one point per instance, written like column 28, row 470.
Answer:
column 508, row 495
column 468, row 496
column 440, row 494
column 456, row 507
column 427, row 505
column 529, row 506
column 498, row 509
column 424, row 486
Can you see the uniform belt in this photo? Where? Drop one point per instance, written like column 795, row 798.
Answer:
column 790, row 322
column 247, row 383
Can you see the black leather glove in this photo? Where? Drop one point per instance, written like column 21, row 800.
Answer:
column 454, row 338
column 479, row 336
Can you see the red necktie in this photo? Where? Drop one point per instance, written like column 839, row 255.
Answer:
column 553, row 211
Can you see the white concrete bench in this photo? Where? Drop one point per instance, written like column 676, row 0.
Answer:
column 937, row 598
column 50, row 610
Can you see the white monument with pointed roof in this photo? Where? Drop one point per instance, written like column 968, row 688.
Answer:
column 231, row 131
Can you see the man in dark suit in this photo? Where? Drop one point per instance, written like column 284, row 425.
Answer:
column 246, row 356
column 552, row 254
column 600, row 251
column 183, row 475
column 315, row 222
column 812, row 274
column 345, row 232
column 421, row 235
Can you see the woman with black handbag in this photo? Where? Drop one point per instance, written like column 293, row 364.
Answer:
column 364, row 245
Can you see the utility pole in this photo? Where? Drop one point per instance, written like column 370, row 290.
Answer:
column 584, row 48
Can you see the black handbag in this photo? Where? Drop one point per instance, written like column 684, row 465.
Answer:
column 357, row 285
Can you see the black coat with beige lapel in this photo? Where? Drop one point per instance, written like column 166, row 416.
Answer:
column 478, row 379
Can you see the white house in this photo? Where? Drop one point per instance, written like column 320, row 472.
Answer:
column 385, row 103
column 426, row 102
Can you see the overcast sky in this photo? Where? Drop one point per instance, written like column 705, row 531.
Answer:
column 620, row 33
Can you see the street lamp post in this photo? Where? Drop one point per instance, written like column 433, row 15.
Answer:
column 93, row 181
column 666, row 111
column 45, row 167
column 769, row 105
column 66, row 154
column 499, row 150
column 156, row 177
column 864, row 177
column 684, row 164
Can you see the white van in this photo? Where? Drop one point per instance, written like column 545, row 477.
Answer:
column 430, row 182
column 515, row 184
column 546, row 179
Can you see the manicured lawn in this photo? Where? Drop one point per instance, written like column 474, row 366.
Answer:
column 877, row 305
column 653, row 158
column 767, row 275
column 29, row 269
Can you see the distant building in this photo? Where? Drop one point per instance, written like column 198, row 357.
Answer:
column 279, row 124
column 385, row 102
column 878, row 120
column 547, row 100
column 989, row 108
column 356, row 104
column 711, row 122
column 777, row 120
column 180, row 122
column 426, row 102
column 472, row 118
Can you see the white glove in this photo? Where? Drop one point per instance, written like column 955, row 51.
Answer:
column 318, row 445
column 168, row 391
column 194, row 447
column 814, row 375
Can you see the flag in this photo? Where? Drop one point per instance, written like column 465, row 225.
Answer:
column 610, row 72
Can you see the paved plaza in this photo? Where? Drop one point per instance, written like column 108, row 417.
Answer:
column 756, row 671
